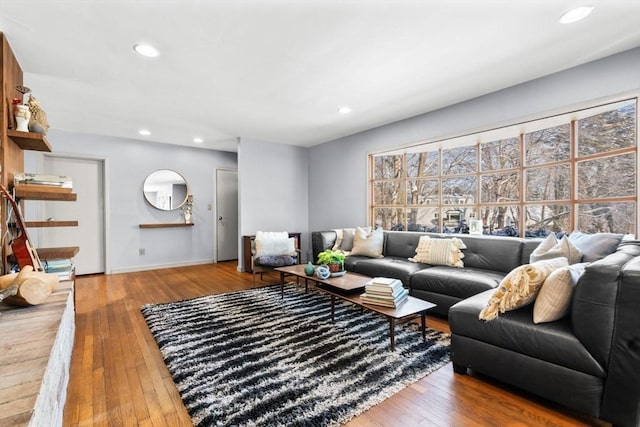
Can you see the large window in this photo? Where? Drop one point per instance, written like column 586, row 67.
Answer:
column 573, row 171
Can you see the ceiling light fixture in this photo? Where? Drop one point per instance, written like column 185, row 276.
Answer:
column 344, row 110
column 575, row 14
column 144, row 132
column 146, row 50
column 198, row 140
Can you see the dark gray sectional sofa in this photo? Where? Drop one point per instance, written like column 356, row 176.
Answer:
column 487, row 260
column 588, row 361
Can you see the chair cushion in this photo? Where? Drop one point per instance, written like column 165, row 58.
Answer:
column 275, row 246
column 275, row 260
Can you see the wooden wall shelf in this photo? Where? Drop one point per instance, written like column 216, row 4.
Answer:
column 51, row 223
column 167, row 224
column 52, row 253
column 23, row 194
column 29, row 140
column 58, row 253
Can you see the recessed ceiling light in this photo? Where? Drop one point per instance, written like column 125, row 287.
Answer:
column 344, row 110
column 146, row 50
column 198, row 140
column 576, row 14
column 144, row 132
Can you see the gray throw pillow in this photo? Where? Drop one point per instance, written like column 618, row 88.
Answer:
column 595, row 246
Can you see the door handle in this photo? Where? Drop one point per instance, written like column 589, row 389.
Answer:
column 219, row 218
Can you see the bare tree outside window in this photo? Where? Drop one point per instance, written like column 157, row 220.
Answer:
column 529, row 185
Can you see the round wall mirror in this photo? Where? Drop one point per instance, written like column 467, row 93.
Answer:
column 165, row 189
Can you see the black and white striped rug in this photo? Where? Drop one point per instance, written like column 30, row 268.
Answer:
column 251, row 358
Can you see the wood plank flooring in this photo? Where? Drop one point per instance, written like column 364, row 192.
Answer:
column 118, row 377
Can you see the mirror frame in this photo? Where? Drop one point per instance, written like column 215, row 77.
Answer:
column 165, row 177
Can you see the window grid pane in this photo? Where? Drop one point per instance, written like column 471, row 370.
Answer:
column 441, row 191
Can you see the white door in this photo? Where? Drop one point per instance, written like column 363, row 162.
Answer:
column 226, row 214
column 88, row 210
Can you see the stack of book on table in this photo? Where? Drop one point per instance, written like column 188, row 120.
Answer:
column 384, row 291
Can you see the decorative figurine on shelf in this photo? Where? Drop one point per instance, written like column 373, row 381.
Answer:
column 38, row 122
column 21, row 111
column 187, row 208
column 23, row 115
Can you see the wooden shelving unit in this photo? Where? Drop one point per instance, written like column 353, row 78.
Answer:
column 167, row 224
column 29, row 140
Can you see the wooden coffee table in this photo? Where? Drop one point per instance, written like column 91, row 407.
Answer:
column 350, row 287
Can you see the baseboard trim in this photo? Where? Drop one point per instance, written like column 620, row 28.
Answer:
column 133, row 269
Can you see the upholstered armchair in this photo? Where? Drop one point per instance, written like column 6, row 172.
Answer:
column 272, row 249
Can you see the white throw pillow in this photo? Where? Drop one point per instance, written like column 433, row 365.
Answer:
column 439, row 251
column 554, row 299
column 520, row 287
column 368, row 243
column 274, row 243
column 551, row 248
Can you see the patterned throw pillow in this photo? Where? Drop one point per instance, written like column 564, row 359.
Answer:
column 520, row 287
column 554, row 299
column 368, row 243
column 551, row 248
column 439, row 251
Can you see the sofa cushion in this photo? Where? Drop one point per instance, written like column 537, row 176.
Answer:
column 553, row 342
column 520, row 287
column 595, row 246
column 496, row 253
column 439, row 251
column 457, row 282
column 554, row 299
column 551, row 248
column 395, row 267
column 368, row 243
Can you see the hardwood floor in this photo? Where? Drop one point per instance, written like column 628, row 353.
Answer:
column 118, row 377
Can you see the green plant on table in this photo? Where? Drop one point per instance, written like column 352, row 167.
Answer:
column 331, row 257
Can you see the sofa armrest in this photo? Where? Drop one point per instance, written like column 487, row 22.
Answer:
column 621, row 400
column 322, row 240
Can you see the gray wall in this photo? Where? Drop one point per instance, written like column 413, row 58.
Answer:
column 344, row 161
column 273, row 183
column 129, row 163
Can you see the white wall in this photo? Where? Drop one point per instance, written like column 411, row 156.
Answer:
column 273, row 184
column 129, row 162
column 344, row 161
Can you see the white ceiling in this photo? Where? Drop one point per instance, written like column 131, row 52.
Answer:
column 277, row 70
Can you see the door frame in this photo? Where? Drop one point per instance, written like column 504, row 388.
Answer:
column 105, row 195
column 215, row 213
